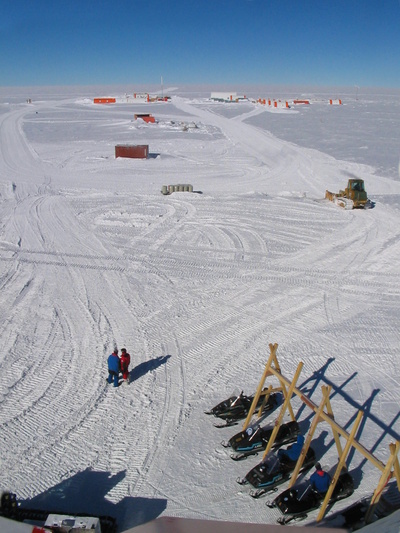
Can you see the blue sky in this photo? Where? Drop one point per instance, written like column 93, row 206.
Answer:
column 285, row 42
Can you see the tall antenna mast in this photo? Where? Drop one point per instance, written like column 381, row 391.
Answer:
column 162, row 88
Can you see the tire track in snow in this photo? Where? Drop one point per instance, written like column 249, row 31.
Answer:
column 168, row 268
column 258, row 264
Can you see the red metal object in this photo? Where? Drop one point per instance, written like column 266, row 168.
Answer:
column 133, row 151
column 147, row 117
column 104, row 100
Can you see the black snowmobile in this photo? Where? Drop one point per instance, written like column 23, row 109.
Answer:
column 296, row 502
column 238, row 406
column 253, row 440
column 353, row 517
column 273, row 471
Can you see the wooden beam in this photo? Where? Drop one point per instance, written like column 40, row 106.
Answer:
column 386, row 475
column 266, row 396
column 341, row 464
column 397, row 471
column 335, row 426
column 272, row 357
column 285, row 395
column 316, row 420
column 320, row 415
column 278, row 421
column 335, row 433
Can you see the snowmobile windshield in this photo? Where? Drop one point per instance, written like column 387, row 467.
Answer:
column 303, row 491
column 252, row 432
column 237, row 398
column 236, row 392
column 271, row 464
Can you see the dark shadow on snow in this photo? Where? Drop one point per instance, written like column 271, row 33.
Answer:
column 85, row 494
column 142, row 369
column 357, row 475
column 310, row 385
column 319, row 378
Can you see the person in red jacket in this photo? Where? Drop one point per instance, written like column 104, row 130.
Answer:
column 125, row 362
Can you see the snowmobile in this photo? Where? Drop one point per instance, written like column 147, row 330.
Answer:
column 354, row 516
column 296, row 502
column 273, row 471
column 238, row 406
column 252, row 440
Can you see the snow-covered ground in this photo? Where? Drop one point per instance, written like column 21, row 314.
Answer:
column 194, row 285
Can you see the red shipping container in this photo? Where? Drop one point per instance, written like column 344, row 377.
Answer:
column 145, row 116
column 104, row 100
column 134, row 151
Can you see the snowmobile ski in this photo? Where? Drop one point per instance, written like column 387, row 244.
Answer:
column 228, row 424
column 240, row 456
column 257, row 493
column 283, row 520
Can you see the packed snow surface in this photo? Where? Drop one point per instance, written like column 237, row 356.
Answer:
column 195, row 286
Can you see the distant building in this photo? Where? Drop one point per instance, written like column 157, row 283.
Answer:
column 104, row 100
column 226, row 97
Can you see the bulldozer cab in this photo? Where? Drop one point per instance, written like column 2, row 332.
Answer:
column 356, row 185
column 356, row 191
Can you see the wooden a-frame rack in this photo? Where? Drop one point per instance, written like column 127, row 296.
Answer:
column 323, row 413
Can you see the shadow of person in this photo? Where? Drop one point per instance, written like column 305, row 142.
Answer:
column 319, row 446
column 147, row 366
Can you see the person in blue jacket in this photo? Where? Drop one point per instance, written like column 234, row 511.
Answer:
column 114, row 367
column 320, row 480
column 293, row 452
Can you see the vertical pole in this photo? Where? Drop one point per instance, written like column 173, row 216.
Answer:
column 335, row 433
column 386, row 475
column 325, row 395
column 397, row 469
column 272, row 356
column 342, row 462
column 285, row 394
column 278, row 421
column 266, row 396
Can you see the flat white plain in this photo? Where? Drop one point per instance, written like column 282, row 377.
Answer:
column 195, row 285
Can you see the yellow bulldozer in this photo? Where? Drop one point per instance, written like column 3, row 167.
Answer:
column 354, row 196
